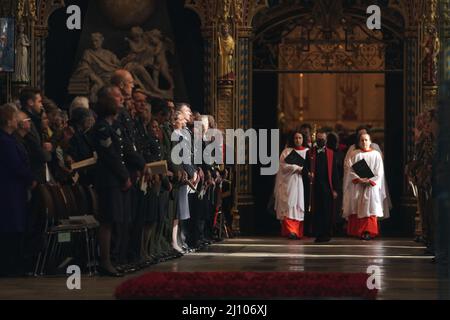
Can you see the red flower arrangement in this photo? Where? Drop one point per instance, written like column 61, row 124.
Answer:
column 258, row 285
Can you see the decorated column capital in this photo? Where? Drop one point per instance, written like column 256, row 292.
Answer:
column 245, row 32
column 430, row 45
column 45, row 10
column 26, row 10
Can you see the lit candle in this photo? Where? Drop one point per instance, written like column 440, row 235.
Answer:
column 301, row 97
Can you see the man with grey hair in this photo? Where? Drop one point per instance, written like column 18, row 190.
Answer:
column 134, row 162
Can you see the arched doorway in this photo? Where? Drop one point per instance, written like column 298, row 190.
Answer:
column 317, row 64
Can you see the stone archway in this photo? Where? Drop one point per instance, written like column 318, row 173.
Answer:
column 294, row 46
column 233, row 100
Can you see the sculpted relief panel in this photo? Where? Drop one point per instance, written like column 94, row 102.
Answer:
column 146, row 60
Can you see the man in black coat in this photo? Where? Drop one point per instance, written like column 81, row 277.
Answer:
column 135, row 164
column 39, row 153
column 322, row 169
column 81, row 145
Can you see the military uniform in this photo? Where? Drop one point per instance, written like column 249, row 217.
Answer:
column 129, row 233
column 111, row 173
column 133, row 158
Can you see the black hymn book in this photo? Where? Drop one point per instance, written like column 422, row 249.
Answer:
column 362, row 169
column 295, row 158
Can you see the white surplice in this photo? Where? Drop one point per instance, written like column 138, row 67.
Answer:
column 387, row 204
column 350, row 153
column 365, row 200
column 289, row 190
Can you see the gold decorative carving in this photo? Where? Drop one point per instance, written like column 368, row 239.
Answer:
column 225, row 106
column 430, row 97
column 240, row 12
column 333, row 54
column 26, row 8
column 431, row 44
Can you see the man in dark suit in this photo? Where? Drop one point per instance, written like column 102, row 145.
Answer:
column 39, row 153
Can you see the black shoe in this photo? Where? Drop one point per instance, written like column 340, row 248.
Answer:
column 207, row 241
column 109, row 273
column 126, row 268
column 366, row 236
column 292, row 236
column 151, row 261
column 322, row 240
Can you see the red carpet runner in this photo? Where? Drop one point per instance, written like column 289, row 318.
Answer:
column 258, row 285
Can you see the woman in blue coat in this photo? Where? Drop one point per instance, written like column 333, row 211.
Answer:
column 16, row 179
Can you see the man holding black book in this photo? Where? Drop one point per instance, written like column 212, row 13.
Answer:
column 364, row 193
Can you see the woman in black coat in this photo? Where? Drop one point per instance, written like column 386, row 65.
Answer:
column 81, row 146
column 16, row 179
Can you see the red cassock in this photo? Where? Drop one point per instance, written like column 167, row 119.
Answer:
column 357, row 226
column 289, row 226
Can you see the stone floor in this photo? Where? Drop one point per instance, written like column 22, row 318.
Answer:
column 406, row 273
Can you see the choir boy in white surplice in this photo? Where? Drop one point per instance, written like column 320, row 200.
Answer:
column 364, row 198
column 289, row 191
column 351, row 150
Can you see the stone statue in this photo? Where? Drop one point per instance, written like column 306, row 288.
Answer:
column 147, row 61
column 431, row 47
column 161, row 66
column 226, row 54
column 22, row 73
column 140, row 50
column 97, row 64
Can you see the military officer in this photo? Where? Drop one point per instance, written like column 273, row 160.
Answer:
column 112, row 179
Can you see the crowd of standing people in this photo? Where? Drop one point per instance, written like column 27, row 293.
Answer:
column 143, row 217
